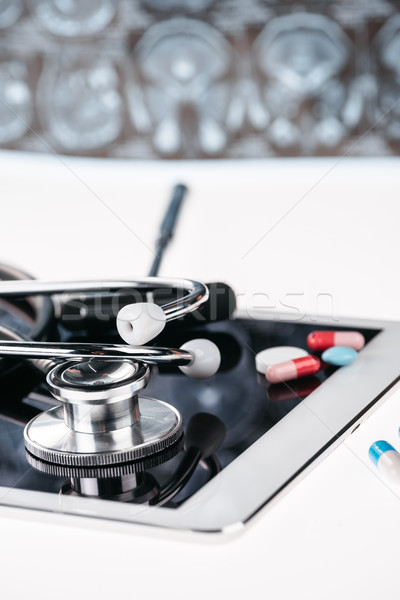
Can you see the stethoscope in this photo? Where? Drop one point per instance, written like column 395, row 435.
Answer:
column 101, row 420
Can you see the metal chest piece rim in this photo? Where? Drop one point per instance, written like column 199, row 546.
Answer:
column 101, row 420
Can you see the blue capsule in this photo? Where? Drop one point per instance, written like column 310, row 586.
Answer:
column 339, row 355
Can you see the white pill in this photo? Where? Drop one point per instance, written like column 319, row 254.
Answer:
column 139, row 323
column 206, row 359
column 276, row 355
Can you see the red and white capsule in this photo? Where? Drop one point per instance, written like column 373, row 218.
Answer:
column 322, row 340
column 293, row 369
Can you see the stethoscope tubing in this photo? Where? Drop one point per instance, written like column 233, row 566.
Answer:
column 197, row 293
column 81, row 351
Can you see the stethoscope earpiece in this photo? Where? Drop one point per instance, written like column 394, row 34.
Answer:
column 139, row 323
column 206, row 359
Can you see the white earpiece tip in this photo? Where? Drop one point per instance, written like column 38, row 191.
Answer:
column 139, row 323
column 206, row 359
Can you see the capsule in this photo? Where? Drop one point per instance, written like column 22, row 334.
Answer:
column 293, row 369
column 387, row 459
column 322, row 340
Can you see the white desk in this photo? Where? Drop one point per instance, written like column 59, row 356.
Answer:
column 335, row 534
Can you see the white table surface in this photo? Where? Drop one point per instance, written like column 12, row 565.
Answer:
column 320, row 237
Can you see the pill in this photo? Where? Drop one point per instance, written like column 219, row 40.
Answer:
column 292, row 369
column 321, row 340
column 339, row 355
column 277, row 354
column 387, row 459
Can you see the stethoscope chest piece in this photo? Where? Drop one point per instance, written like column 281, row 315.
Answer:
column 101, row 419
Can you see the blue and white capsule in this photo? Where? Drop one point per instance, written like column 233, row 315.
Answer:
column 387, row 460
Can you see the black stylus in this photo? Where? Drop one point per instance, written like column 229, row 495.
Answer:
column 168, row 226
